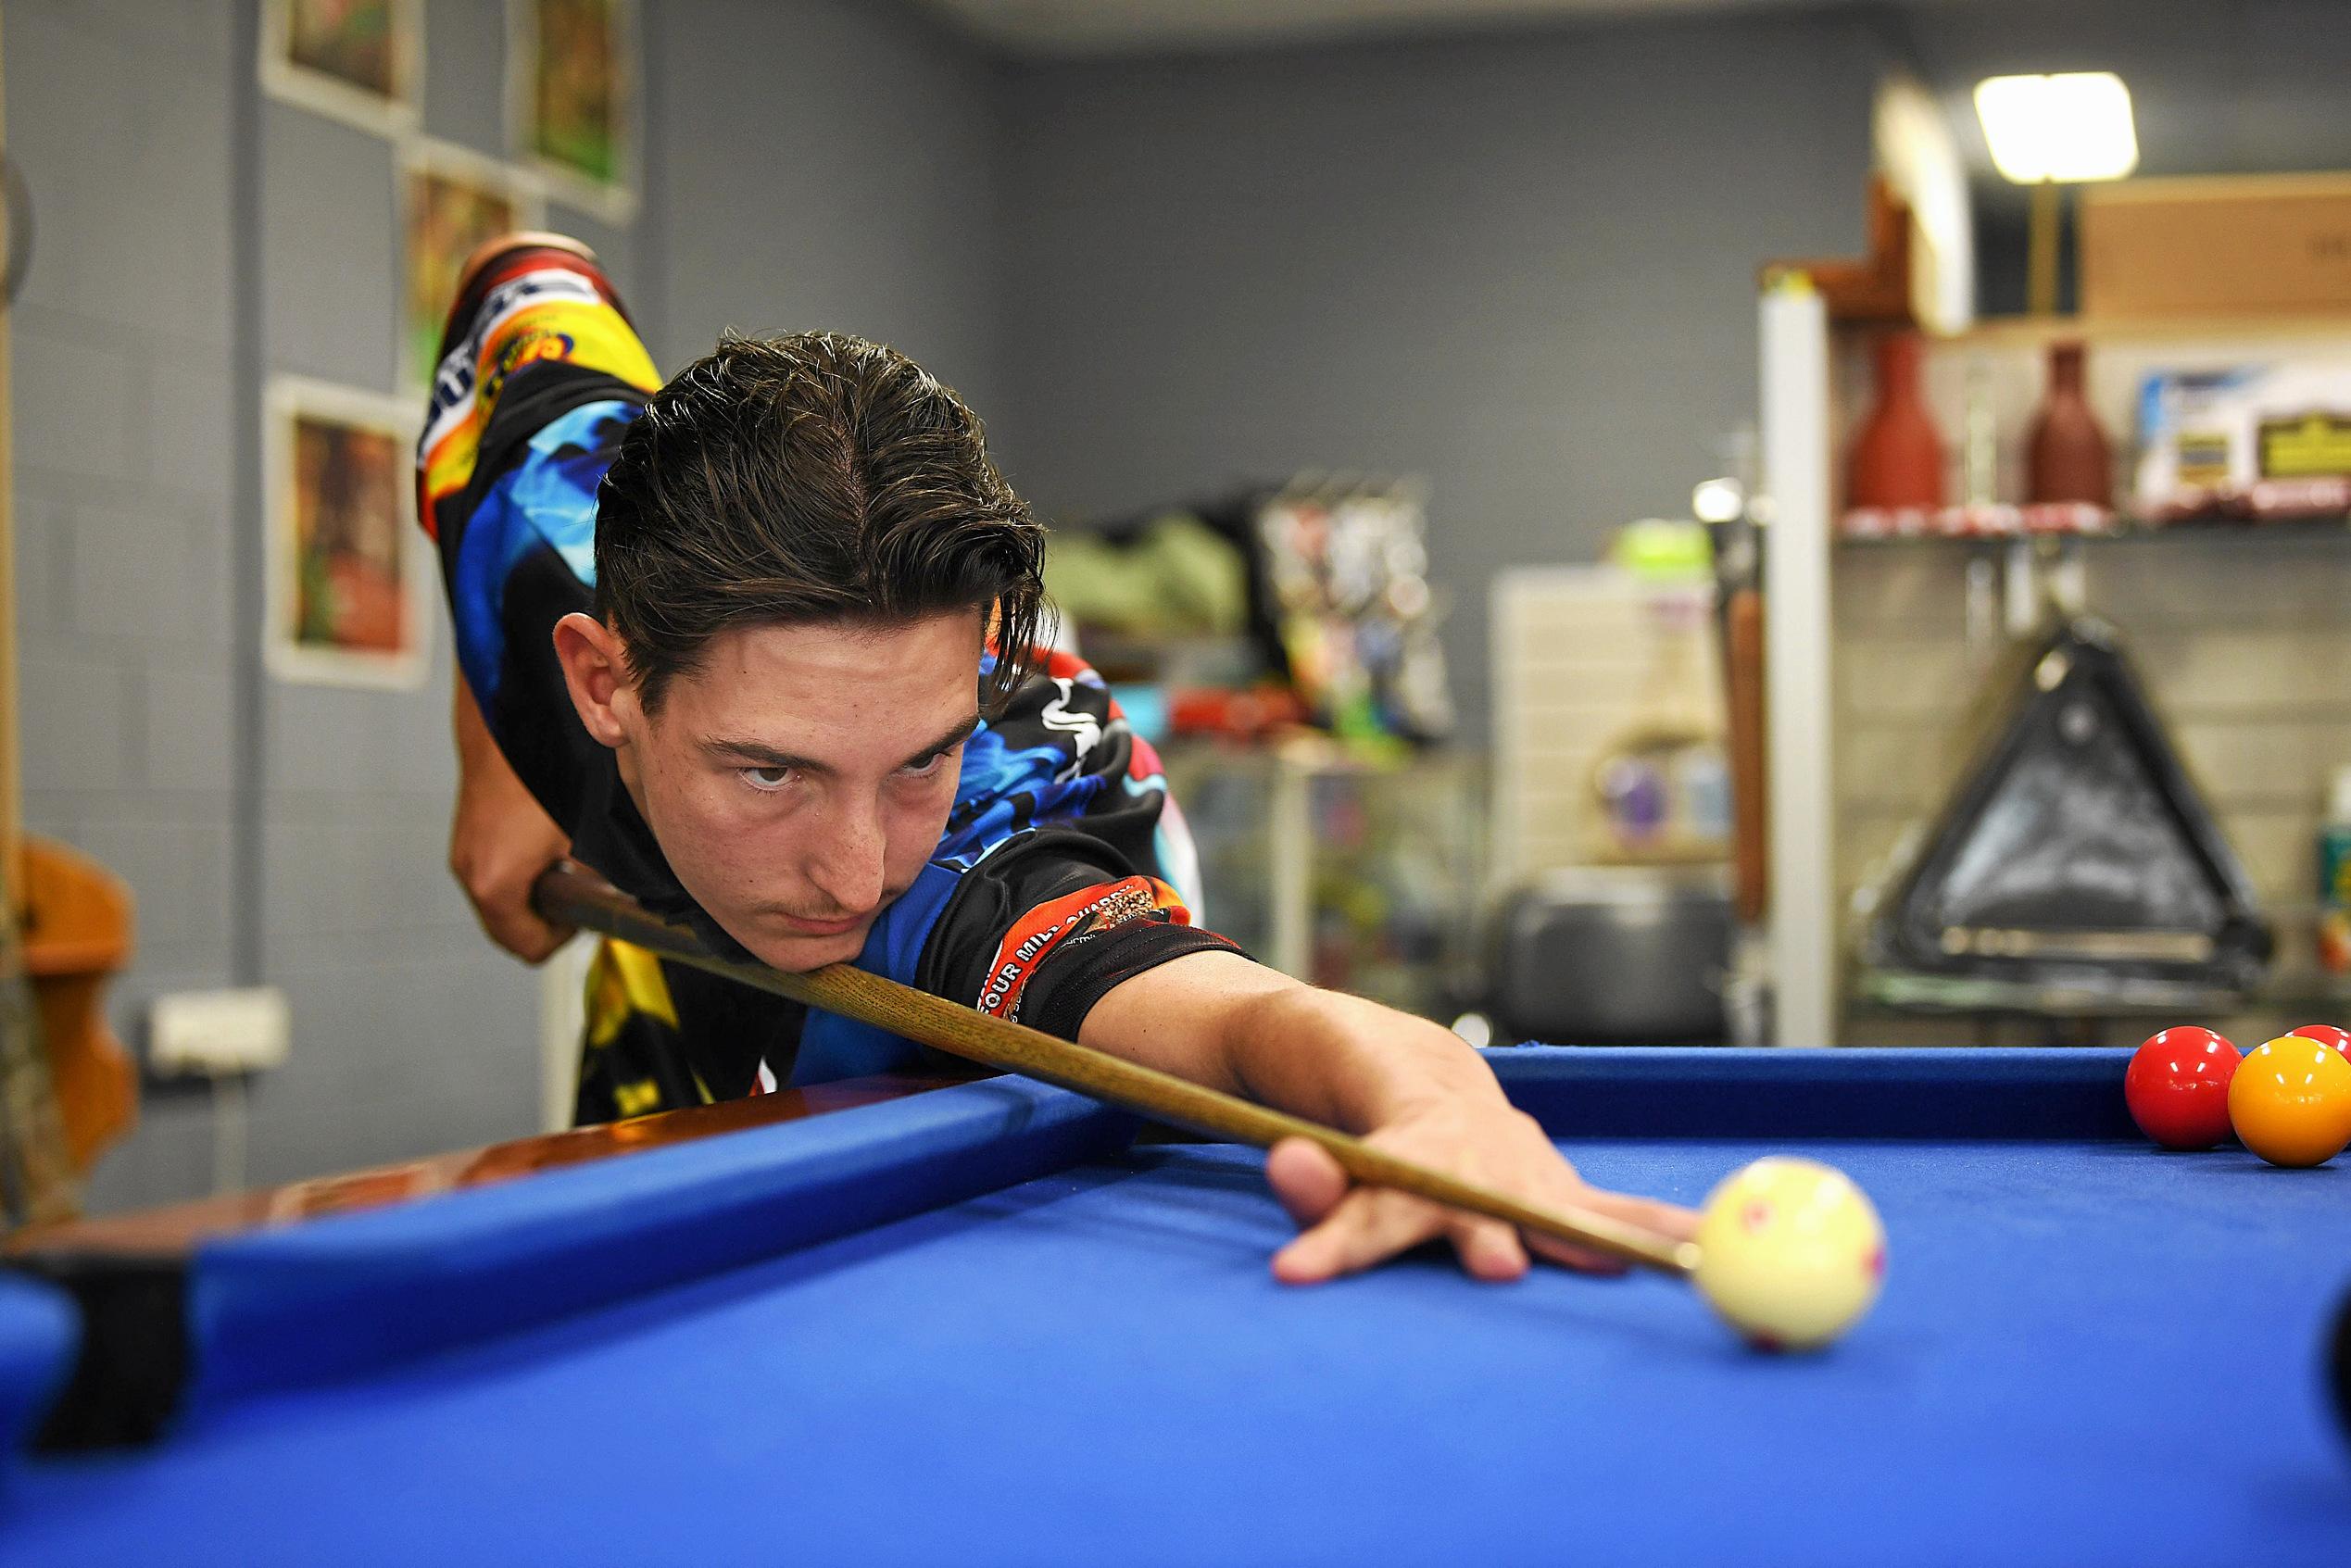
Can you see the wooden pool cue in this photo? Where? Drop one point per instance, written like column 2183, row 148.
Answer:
column 571, row 895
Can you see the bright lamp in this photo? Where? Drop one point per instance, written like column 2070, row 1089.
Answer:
column 2060, row 129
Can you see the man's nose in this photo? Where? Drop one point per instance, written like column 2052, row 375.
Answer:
column 850, row 858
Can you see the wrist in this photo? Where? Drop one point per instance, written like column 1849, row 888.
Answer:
column 1353, row 1062
column 1444, row 1070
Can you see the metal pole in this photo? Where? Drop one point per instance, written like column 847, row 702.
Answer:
column 2040, row 249
column 1797, row 643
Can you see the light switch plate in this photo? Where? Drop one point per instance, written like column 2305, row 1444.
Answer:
column 212, row 1033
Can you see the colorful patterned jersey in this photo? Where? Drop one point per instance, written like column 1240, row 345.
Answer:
column 1063, row 867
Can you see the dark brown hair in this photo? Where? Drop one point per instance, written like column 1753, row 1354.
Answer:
column 812, row 478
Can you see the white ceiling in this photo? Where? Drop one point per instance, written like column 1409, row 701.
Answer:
column 1105, row 26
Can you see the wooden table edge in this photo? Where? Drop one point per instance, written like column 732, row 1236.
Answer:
column 173, row 1230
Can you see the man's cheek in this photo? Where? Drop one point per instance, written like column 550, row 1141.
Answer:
column 711, row 843
column 913, row 840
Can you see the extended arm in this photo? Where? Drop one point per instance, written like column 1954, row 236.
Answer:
column 1404, row 1084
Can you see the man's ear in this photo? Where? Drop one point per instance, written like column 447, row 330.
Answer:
column 596, row 671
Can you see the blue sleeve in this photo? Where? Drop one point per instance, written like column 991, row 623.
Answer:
column 1062, row 851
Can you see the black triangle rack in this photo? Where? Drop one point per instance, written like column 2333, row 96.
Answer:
column 2078, row 855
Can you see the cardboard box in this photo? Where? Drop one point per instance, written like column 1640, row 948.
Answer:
column 2256, row 441
column 2262, row 244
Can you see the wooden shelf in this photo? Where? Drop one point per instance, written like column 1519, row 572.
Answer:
column 1897, row 992
column 2002, row 523
column 2020, row 332
column 1903, row 993
column 1998, row 519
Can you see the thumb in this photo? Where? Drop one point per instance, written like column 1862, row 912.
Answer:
column 1306, row 1179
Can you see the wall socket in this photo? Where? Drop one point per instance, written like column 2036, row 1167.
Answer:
column 212, row 1034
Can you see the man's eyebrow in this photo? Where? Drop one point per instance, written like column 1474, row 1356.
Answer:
column 752, row 754
column 948, row 742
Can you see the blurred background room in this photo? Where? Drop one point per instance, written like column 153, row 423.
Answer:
column 1628, row 520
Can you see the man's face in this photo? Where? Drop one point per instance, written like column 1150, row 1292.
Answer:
column 801, row 778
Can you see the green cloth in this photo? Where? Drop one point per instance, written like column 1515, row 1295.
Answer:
column 1179, row 578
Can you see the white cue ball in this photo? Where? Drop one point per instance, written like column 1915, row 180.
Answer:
column 1789, row 1252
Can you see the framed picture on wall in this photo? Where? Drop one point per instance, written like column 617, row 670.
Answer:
column 572, row 99
column 358, row 60
column 451, row 200
column 349, row 577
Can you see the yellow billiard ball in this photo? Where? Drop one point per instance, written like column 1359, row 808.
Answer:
column 2290, row 1101
column 1789, row 1252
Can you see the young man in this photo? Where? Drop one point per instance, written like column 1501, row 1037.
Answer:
column 757, row 645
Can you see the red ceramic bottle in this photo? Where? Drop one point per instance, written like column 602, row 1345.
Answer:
column 2069, row 457
column 1898, row 459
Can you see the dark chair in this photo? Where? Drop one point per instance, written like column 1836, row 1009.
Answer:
column 1612, row 956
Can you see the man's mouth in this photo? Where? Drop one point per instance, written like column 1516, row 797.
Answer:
column 802, row 927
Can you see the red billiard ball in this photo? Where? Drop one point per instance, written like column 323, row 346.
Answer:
column 2178, row 1087
column 2327, row 1034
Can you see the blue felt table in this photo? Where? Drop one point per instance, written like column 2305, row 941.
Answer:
column 38, row 1337
column 974, row 1328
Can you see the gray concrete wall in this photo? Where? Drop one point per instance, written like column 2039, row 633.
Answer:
column 124, row 429
column 830, row 165
column 1522, row 266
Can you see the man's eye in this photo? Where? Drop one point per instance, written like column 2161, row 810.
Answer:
column 927, row 767
column 767, row 781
